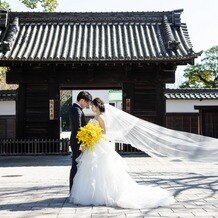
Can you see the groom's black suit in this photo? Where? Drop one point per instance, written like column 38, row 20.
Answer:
column 77, row 120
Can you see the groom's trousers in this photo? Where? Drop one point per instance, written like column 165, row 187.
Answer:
column 75, row 154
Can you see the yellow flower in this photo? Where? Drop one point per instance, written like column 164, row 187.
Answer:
column 89, row 135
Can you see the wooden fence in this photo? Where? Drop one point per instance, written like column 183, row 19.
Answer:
column 126, row 149
column 34, row 146
column 48, row 147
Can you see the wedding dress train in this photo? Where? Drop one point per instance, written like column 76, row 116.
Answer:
column 102, row 179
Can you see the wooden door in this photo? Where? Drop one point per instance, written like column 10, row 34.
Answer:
column 7, row 127
column 145, row 101
column 210, row 123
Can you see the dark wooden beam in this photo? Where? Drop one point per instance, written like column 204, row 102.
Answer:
column 92, row 75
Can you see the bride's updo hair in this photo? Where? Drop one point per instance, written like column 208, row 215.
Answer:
column 99, row 104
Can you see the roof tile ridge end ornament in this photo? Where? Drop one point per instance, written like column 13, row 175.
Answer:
column 186, row 35
column 196, row 53
column 10, row 36
column 176, row 17
column 172, row 43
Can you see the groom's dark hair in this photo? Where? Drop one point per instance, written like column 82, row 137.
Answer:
column 84, row 95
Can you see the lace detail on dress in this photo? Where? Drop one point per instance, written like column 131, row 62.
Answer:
column 93, row 120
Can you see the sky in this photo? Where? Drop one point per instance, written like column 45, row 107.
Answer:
column 201, row 16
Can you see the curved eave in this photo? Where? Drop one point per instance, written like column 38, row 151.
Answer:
column 186, row 59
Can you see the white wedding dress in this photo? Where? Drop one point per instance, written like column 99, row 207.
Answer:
column 102, row 179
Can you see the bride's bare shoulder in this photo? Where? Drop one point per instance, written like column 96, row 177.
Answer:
column 99, row 118
column 101, row 121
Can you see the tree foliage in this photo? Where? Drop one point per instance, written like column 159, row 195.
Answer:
column 64, row 112
column 3, row 84
column 4, row 5
column 205, row 73
column 65, row 102
column 47, row 5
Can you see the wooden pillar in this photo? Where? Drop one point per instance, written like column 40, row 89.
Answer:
column 201, row 130
column 20, row 111
column 161, row 104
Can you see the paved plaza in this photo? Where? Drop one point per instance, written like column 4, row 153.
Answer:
column 37, row 186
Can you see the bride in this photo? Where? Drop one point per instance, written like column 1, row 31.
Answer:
column 102, row 179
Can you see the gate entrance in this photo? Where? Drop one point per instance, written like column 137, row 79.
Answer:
column 38, row 101
column 68, row 97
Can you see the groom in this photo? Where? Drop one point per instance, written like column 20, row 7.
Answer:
column 77, row 120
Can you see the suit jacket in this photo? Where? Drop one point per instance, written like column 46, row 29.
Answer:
column 77, row 120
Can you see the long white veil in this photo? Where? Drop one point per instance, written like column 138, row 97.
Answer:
column 158, row 141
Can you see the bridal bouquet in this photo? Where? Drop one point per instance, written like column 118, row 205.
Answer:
column 89, row 135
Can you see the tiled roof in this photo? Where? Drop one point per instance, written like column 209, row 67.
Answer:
column 191, row 94
column 6, row 95
column 110, row 36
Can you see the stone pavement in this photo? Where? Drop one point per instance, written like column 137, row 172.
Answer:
column 37, row 186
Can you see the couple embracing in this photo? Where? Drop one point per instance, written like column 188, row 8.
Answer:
column 99, row 176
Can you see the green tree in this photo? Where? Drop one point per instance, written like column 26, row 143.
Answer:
column 3, row 84
column 4, row 5
column 66, row 101
column 205, row 73
column 48, row 5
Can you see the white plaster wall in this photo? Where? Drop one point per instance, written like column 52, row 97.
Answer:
column 7, row 108
column 187, row 106
column 102, row 94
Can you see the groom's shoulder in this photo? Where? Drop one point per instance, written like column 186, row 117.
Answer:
column 75, row 107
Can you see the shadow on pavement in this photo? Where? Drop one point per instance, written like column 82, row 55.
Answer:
column 188, row 183
column 45, row 160
column 57, row 196
column 29, row 161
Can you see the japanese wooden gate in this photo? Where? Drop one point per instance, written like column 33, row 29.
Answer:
column 135, row 51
